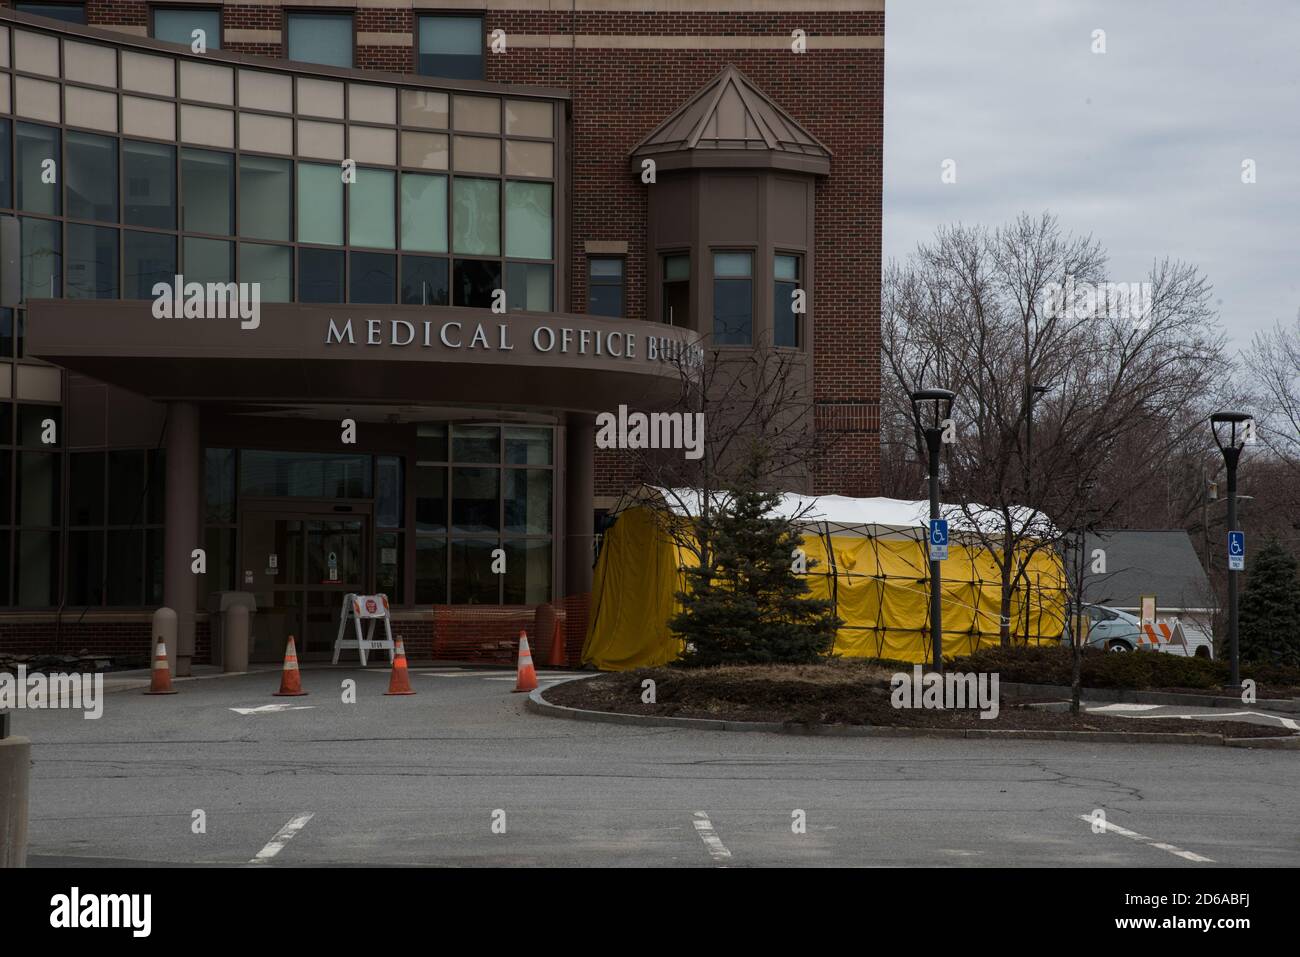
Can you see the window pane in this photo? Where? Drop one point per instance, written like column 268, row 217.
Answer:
column 451, row 47
column 476, row 443
column 156, row 486
column 68, row 12
column 92, row 262
column 35, row 145
column 147, row 258
column 529, row 287
column 85, row 568
column 219, row 485
column 476, row 227
column 528, row 501
column 388, row 566
column 787, row 267
column 528, row 572
column 208, row 192
column 430, row 499
column 37, row 422
column 475, row 281
column 126, row 570
column 208, row 260
column 677, row 290
column 528, row 445
column 265, row 190
column 149, row 178
column 305, row 474
column 178, row 26
column 430, row 571
column 153, row 566
column 320, row 204
column 320, row 275
column 370, row 209
column 37, row 569
column 733, row 299
column 424, row 212
column 606, row 269
column 92, row 177
column 42, row 259
column 86, row 488
column 475, row 495
column 786, row 331
column 431, row 443
column 126, row 488
column 321, row 38
column 677, row 267
column 472, row 580
column 270, row 266
column 6, row 178
column 738, row 265
column 38, row 488
column 605, row 300
column 374, row 278
column 528, row 220
column 388, row 495
column 424, row 281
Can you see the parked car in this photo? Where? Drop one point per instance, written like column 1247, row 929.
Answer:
column 1115, row 630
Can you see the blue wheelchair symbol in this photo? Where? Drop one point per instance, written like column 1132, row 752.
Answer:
column 939, row 531
column 1236, row 543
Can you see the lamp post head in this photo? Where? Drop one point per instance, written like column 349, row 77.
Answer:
column 1230, row 430
column 936, row 402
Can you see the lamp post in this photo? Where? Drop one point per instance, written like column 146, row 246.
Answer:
column 1032, row 394
column 931, row 409
column 1230, row 432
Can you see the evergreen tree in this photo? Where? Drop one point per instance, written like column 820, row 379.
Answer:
column 1269, row 626
column 745, row 603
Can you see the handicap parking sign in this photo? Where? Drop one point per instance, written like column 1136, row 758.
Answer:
column 1236, row 551
column 938, row 539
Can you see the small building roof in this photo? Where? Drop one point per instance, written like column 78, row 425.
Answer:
column 1141, row 562
column 730, row 122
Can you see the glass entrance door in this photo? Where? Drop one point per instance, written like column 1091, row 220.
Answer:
column 299, row 566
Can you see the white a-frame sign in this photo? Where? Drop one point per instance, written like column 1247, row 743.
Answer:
column 370, row 607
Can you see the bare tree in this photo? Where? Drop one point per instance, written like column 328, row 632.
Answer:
column 985, row 312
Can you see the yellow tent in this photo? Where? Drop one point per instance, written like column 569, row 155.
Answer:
column 868, row 556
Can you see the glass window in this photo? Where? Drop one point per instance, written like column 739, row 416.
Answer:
column 320, row 204
column 38, row 489
column 475, row 281
column 677, row 290
column 374, row 278
column 320, row 38
column 156, row 482
column 388, row 565
column 424, row 281
column 265, row 194
column 605, row 287
column 320, row 275
column 42, row 259
column 527, row 580
column 430, row 570
column 528, row 445
column 92, row 177
column 431, row 443
column 37, row 569
column 528, row 501
column 149, row 184
column 34, row 424
column 92, row 262
column 219, row 485
column 733, row 298
column 178, row 25
column 424, row 213
column 786, row 320
column 528, row 220
column 451, row 47
column 430, row 498
column 37, row 159
column 371, row 209
column 68, row 12
column 208, row 260
column 309, row 474
column 208, row 192
column 476, row 443
column 85, row 568
column 126, row 570
column 472, row 580
column 476, row 216
column 10, row 338
column 86, row 488
column 529, row 287
column 147, row 258
column 6, row 175
column 388, row 494
column 269, row 266
column 126, row 487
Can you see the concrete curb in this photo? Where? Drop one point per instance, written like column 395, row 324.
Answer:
column 537, row 704
column 1129, row 696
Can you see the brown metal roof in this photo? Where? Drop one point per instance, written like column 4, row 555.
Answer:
column 731, row 122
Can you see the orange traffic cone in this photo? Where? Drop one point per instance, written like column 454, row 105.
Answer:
column 558, row 655
column 400, row 682
column 290, row 678
column 160, row 682
column 527, row 676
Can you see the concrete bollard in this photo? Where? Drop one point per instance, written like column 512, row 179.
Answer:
column 164, row 627
column 234, row 639
column 15, row 762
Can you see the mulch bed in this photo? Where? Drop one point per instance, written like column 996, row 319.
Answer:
column 836, row 693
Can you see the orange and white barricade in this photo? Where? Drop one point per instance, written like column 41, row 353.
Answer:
column 371, row 608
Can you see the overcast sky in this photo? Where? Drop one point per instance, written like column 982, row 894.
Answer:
column 1141, row 146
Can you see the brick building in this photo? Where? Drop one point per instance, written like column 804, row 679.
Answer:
column 497, row 146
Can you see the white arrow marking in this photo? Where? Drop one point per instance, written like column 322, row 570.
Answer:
column 273, row 708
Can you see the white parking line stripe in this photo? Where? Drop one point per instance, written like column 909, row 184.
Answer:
column 282, row 838
column 704, row 828
column 1134, row 835
column 1210, row 715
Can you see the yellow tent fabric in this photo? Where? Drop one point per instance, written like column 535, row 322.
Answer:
column 880, row 586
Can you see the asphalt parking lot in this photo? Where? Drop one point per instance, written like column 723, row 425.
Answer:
column 460, row 774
